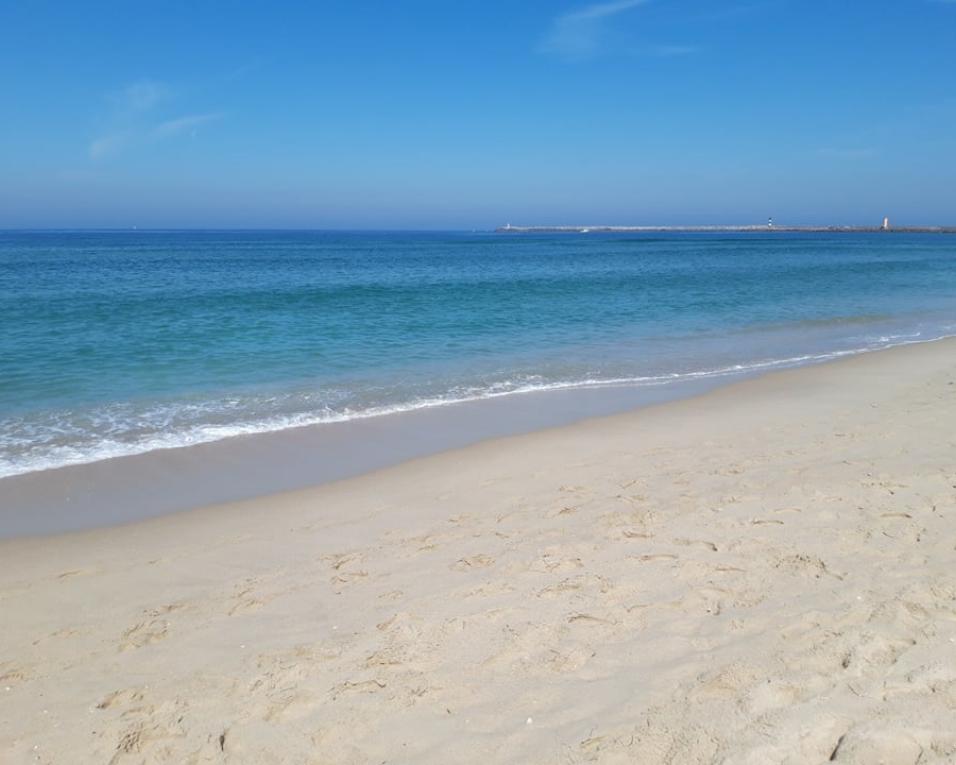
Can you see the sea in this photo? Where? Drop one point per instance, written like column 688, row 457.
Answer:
column 123, row 342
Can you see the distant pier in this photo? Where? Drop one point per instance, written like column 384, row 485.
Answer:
column 754, row 229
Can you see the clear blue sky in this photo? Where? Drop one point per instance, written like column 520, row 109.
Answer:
column 471, row 113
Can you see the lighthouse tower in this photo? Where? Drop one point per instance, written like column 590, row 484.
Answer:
column 886, row 224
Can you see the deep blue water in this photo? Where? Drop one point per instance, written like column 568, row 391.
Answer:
column 115, row 343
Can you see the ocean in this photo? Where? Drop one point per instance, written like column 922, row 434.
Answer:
column 117, row 343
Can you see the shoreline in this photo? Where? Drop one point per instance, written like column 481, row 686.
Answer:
column 719, row 375
column 132, row 487
column 691, row 582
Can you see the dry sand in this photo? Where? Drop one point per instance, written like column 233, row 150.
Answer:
column 765, row 574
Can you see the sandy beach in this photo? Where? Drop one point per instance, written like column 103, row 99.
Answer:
column 762, row 574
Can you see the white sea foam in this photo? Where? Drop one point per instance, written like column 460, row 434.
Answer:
column 62, row 455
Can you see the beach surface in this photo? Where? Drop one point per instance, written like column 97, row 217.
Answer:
column 762, row 574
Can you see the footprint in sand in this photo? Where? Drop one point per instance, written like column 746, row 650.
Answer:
column 349, row 577
column 490, row 589
column 139, row 738
column 244, row 601
column 937, row 677
column 341, row 560
column 589, row 619
column 554, row 560
column 875, row 652
column 651, row 557
column 770, row 696
column 473, row 562
column 123, row 697
column 359, row 686
column 144, row 633
column 341, row 564
column 877, row 744
column 423, row 543
column 11, row 674
column 724, row 569
column 575, row 584
column 696, row 542
column 561, row 588
column 806, row 565
column 570, row 660
column 727, row 682
column 291, row 704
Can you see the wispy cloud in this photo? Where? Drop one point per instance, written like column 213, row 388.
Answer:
column 187, row 124
column 578, row 34
column 140, row 96
column 103, row 146
column 715, row 11
column 135, row 118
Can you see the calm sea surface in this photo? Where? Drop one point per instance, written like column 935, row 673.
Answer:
column 120, row 343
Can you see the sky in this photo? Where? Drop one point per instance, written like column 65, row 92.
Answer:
column 467, row 114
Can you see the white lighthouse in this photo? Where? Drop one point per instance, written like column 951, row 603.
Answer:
column 886, row 224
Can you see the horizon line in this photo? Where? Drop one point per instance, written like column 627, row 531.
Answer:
column 540, row 228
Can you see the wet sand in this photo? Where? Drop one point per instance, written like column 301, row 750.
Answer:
column 761, row 574
column 136, row 487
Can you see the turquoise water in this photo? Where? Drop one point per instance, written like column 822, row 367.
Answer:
column 120, row 343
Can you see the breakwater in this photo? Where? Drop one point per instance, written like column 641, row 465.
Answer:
column 509, row 229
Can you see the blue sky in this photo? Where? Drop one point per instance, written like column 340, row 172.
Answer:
column 468, row 114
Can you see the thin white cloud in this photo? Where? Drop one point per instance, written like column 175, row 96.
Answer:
column 129, row 108
column 140, row 96
column 135, row 118
column 602, row 10
column 106, row 145
column 187, row 124
column 577, row 34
